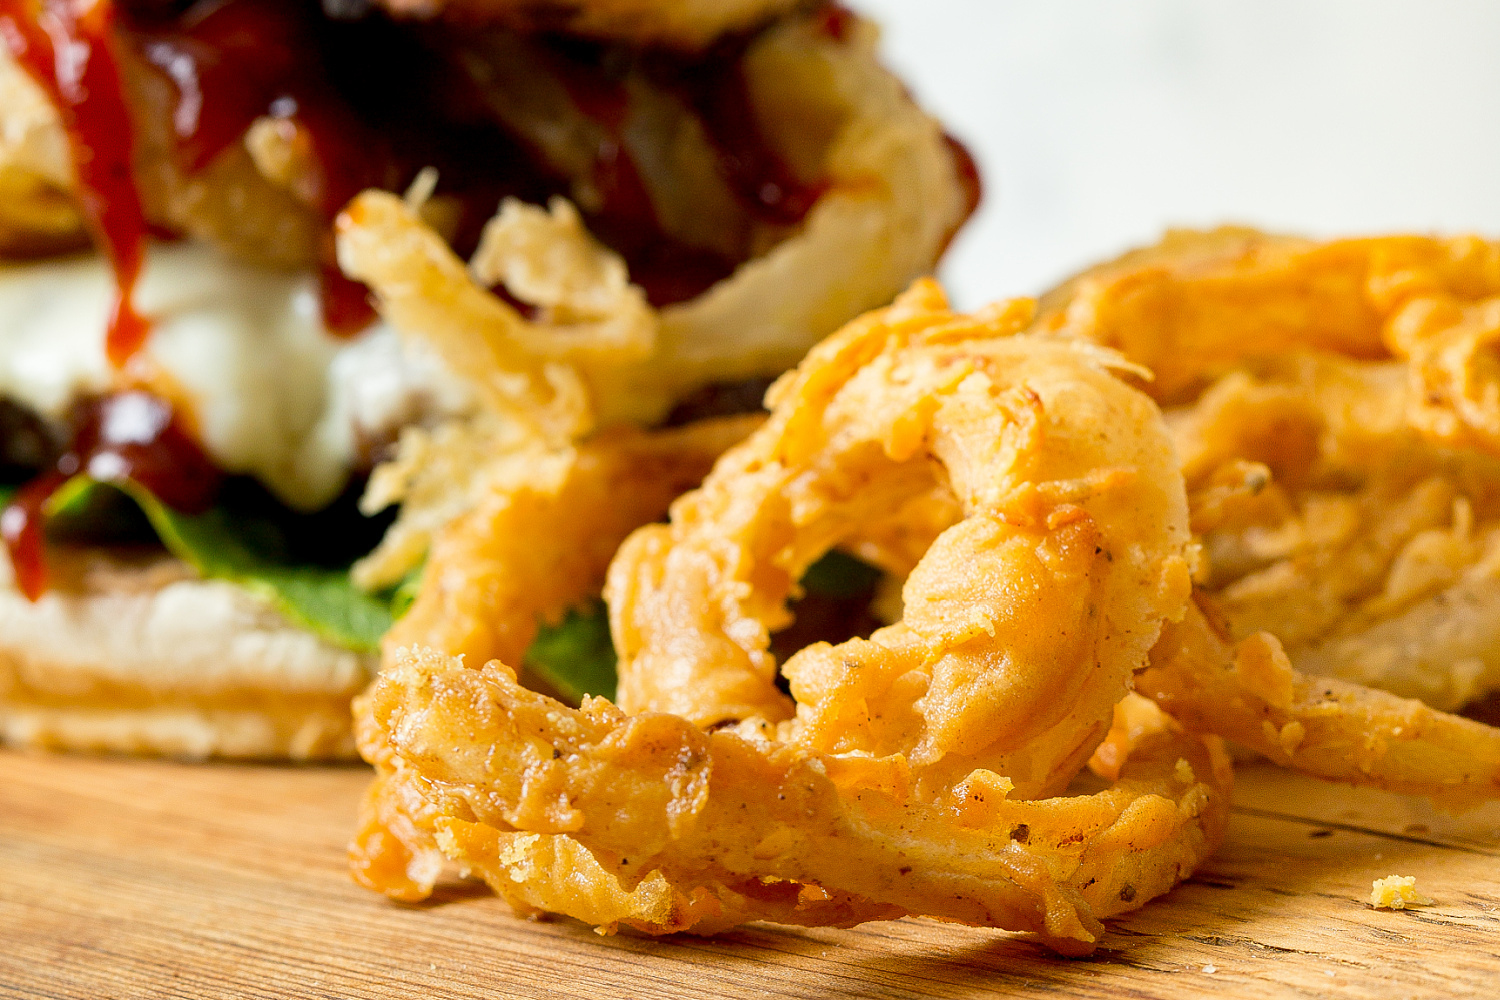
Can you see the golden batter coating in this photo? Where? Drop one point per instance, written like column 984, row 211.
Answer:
column 1034, row 502
column 914, row 771
column 1071, row 551
column 528, row 553
column 678, row 829
column 1336, row 415
column 1322, row 726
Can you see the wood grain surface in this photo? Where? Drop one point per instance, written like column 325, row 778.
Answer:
column 127, row 878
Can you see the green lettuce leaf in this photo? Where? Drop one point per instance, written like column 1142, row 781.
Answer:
column 576, row 656
column 404, row 595
column 239, row 549
column 840, row 576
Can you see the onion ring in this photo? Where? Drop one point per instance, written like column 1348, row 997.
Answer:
column 1069, row 487
column 1249, row 692
column 657, row 802
column 915, row 772
column 1336, row 416
column 530, row 551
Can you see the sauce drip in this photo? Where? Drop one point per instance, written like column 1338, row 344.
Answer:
column 139, row 437
column 21, row 529
column 233, row 62
column 347, row 309
column 968, row 179
column 68, row 51
column 713, row 87
column 716, row 88
column 131, row 436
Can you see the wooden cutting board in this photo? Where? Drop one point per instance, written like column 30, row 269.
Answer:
column 124, row 878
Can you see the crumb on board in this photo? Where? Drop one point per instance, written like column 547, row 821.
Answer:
column 1396, row 892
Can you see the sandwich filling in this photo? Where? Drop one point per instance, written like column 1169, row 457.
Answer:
column 209, row 378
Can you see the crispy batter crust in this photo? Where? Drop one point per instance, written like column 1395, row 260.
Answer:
column 1335, row 413
column 911, row 775
column 742, row 829
column 1070, row 551
column 528, row 553
column 1318, row 725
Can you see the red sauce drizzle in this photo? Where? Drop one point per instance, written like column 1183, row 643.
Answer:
column 233, row 62
column 21, row 529
column 70, row 56
column 717, row 90
column 347, row 308
column 139, row 437
column 836, row 21
column 713, row 86
column 968, row 179
column 625, row 218
column 127, row 436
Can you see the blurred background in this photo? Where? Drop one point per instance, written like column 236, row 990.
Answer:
column 1099, row 123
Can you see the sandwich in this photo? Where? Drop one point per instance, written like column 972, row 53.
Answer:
column 235, row 236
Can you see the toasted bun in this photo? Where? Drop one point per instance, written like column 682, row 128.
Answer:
column 138, row 656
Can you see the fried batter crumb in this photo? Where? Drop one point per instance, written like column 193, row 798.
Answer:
column 1396, row 892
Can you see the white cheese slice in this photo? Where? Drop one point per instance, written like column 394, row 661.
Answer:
column 272, row 393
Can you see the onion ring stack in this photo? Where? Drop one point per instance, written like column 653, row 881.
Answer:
column 1033, row 501
column 916, row 772
column 1337, row 418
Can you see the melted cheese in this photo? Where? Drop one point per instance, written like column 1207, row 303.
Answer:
column 270, row 391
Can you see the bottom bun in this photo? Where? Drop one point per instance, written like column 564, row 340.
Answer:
column 134, row 654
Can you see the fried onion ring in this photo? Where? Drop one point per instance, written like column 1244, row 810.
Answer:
column 1337, row 417
column 532, row 550
column 1069, row 487
column 1346, row 493
column 657, row 802
column 1249, row 692
column 913, row 773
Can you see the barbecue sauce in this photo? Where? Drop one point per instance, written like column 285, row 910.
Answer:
column 379, row 101
column 21, row 525
column 233, row 62
column 968, row 180
column 716, row 88
column 132, row 436
column 68, row 50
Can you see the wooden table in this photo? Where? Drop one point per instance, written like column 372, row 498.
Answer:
column 127, row 878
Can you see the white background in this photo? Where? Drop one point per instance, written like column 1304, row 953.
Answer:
column 1098, row 123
